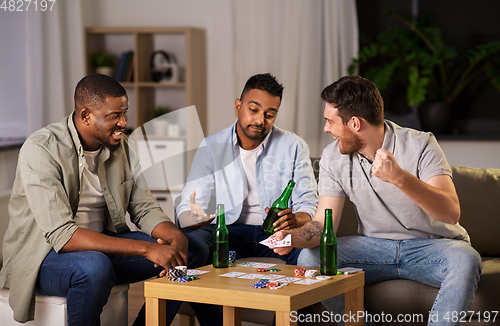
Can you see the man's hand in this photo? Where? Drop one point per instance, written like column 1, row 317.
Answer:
column 286, row 221
column 385, row 167
column 279, row 236
column 197, row 216
column 174, row 256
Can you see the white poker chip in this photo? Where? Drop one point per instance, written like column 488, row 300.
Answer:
column 311, row 273
column 323, row 277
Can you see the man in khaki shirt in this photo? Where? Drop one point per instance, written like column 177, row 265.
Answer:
column 67, row 234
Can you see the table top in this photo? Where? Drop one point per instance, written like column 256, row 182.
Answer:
column 212, row 288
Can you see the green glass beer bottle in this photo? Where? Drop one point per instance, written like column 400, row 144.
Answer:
column 279, row 204
column 328, row 247
column 220, row 240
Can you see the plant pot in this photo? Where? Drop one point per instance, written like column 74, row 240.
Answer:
column 160, row 127
column 435, row 117
column 108, row 71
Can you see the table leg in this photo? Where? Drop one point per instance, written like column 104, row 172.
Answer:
column 232, row 316
column 283, row 319
column 354, row 302
column 156, row 313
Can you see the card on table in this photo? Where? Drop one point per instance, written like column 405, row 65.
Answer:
column 256, row 265
column 196, row 272
column 253, row 276
column 307, row 281
column 349, row 270
column 290, row 279
column 272, row 242
column 232, row 274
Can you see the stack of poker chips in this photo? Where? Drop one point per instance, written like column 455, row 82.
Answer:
column 274, row 270
column 299, row 271
column 232, row 257
column 175, row 273
column 311, row 273
column 273, row 285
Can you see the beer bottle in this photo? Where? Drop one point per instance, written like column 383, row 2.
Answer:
column 279, row 204
column 328, row 247
column 220, row 240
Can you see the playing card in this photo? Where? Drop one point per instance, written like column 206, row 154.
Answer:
column 195, row 272
column 272, row 242
column 273, row 276
column 290, row 279
column 232, row 274
column 307, row 281
column 253, row 276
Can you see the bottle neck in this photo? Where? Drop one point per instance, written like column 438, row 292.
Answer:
column 282, row 201
column 328, row 221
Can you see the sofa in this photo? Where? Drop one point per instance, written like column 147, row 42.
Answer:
column 479, row 194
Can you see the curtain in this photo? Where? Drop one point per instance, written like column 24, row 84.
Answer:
column 54, row 62
column 307, row 45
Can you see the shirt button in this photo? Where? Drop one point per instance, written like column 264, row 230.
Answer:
column 81, row 164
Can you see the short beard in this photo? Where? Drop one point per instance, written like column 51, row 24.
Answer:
column 351, row 143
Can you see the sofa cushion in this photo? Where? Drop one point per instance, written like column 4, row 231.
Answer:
column 479, row 194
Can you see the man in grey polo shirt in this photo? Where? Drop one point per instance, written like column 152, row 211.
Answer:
column 407, row 206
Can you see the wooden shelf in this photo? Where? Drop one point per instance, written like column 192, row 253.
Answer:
column 188, row 46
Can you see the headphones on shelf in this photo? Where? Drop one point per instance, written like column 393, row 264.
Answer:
column 163, row 67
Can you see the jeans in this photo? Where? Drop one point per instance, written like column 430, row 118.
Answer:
column 243, row 239
column 85, row 278
column 451, row 265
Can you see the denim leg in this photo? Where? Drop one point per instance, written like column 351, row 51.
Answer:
column 132, row 269
column 451, row 265
column 200, row 245
column 377, row 258
column 85, row 278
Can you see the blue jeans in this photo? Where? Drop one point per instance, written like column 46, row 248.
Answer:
column 451, row 265
column 85, row 278
column 243, row 239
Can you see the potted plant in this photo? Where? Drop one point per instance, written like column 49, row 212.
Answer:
column 432, row 71
column 104, row 63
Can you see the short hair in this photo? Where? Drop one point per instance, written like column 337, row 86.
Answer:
column 355, row 96
column 265, row 82
column 96, row 88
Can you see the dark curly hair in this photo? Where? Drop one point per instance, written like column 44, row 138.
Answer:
column 96, row 88
column 265, row 82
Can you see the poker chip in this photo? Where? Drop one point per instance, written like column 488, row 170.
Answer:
column 311, row 273
column 323, row 277
column 192, row 277
column 299, row 271
column 262, row 269
column 232, row 257
column 272, row 284
column 274, row 269
column 259, row 285
column 174, row 274
column 264, row 280
column 183, row 279
column 275, row 287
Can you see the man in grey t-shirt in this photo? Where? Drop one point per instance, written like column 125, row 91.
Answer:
column 407, row 206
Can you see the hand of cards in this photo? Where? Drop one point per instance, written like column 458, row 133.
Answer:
column 272, row 242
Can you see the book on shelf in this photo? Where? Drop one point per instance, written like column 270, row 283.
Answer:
column 121, row 64
column 130, row 68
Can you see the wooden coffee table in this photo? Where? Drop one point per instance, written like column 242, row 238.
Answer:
column 236, row 293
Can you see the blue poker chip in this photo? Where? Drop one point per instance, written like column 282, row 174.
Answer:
column 183, row 279
column 259, row 285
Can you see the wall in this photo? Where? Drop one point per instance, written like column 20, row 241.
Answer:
column 214, row 16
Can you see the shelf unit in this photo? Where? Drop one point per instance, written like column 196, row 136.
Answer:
column 187, row 44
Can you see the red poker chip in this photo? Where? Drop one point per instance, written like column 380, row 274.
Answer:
column 299, row 271
column 272, row 284
column 261, row 269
